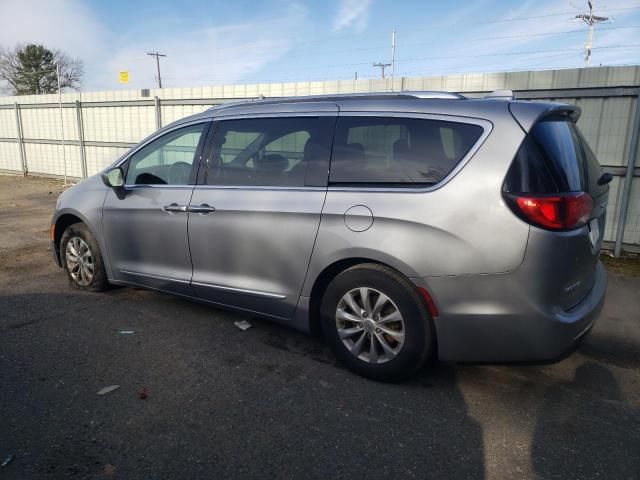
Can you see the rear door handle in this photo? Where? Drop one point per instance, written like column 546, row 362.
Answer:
column 203, row 209
column 174, row 208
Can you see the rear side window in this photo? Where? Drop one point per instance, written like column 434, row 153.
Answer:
column 554, row 158
column 279, row 152
column 398, row 151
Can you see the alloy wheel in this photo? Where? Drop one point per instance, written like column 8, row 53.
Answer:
column 370, row 325
column 79, row 261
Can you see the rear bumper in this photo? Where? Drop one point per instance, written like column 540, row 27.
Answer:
column 489, row 318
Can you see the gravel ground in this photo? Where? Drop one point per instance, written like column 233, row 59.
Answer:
column 272, row 403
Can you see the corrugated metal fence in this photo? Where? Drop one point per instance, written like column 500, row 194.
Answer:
column 98, row 127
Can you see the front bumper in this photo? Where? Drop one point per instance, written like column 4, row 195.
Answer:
column 55, row 254
column 488, row 318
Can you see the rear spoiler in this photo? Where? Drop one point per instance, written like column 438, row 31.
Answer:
column 528, row 113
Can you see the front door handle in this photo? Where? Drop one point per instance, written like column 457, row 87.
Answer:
column 174, row 208
column 203, row 209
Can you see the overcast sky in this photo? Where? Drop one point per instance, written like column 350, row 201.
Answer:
column 213, row 42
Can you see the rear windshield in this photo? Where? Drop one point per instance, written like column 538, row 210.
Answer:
column 554, row 158
column 398, row 151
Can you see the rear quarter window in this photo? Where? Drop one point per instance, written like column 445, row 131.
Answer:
column 554, row 158
column 593, row 170
column 398, row 151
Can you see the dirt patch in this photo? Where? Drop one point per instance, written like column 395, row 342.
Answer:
column 623, row 265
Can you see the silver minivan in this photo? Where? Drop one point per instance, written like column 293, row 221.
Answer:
column 403, row 226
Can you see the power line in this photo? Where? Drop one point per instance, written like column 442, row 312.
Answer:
column 541, row 34
column 531, row 55
column 260, row 46
column 447, row 57
column 481, row 71
column 530, row 17
column 417, row 73
column 544, row 34
column 635, row 45
column 157, row 55
column 410, row 44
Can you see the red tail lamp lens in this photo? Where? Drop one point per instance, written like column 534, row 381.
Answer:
column 559, row 212
column 578, row 209
column 543, row 211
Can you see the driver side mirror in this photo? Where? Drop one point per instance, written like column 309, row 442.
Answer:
column 113, row 178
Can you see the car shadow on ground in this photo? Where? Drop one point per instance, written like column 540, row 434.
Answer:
column 56, row 343
column 581, row 428
column 585, row 429
column 612, row 349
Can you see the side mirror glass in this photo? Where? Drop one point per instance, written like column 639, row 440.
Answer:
column 113, row 178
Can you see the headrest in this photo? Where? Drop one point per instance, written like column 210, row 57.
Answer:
column 273, row 163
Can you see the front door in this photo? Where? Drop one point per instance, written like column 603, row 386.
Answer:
column 146, row 226
column 260, row 198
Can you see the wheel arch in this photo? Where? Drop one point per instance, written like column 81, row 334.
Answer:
column 323, row 279
column 63, row 220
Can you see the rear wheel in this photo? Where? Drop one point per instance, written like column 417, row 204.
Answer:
column 82, row 260
column 376, row 322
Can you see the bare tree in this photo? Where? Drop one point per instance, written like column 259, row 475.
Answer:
column 31, row 69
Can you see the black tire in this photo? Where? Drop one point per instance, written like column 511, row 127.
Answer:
column 99, row 281
column 418, row 325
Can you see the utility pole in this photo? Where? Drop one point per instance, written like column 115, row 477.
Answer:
column 157, row 55
column 590, row 19
column 64, row 156
column 382, row 67
column 393, row 56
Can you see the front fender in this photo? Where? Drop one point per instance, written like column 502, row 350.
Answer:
column 85, row 202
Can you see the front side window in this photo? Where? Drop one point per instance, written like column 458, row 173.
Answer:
column 398, row 151
column 167, row 160
column 279, row 151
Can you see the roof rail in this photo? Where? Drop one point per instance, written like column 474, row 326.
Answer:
column 426, row 94
column 433, row 94
column 500, row 95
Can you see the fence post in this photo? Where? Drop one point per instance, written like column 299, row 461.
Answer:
column 23, row 159
column 83, row 157
column 626, row 192
column 156, row 103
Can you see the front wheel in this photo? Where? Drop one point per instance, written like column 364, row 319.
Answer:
column 376, row 322
column 82, row 260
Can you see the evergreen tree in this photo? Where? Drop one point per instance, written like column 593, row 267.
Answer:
column 31, row 69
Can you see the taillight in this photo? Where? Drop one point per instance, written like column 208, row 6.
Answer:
column 555, row 212
column 578, row 209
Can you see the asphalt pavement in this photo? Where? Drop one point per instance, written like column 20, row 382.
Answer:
column 269, row 402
